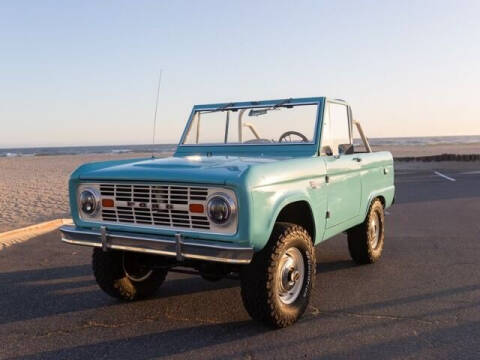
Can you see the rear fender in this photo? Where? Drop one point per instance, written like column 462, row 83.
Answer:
column 386, row 195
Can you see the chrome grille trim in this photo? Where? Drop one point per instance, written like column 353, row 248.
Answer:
column 143, row 204
column 158, row 206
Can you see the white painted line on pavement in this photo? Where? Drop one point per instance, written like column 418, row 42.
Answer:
column 471, row 173
column 387, row 212
column 444, row 176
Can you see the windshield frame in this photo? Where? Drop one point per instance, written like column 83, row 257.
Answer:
column 319, row 101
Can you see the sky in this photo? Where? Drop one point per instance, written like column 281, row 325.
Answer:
column 86, row 72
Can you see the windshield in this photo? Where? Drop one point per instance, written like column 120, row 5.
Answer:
column 274, row 124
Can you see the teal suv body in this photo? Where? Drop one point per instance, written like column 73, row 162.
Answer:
column 250, row 190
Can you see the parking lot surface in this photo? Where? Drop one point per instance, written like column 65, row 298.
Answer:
column 421, row 300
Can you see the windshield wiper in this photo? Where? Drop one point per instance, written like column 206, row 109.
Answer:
column 281, row 103
column 220, row 108
column 224, row 107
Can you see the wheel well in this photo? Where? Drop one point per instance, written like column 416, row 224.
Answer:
column 299, row 213
column 382, row 200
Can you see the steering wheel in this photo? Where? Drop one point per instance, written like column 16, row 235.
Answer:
column 287, row 137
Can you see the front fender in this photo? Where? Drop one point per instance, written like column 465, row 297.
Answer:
column 268, row 202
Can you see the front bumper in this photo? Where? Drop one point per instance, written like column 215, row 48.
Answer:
column 154, row 244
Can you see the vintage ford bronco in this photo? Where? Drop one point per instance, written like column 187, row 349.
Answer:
column 250, row 190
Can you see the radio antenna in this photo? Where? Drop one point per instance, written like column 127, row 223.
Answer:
column 155, row 113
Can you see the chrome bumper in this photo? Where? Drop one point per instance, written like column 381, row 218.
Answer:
column 152, row 244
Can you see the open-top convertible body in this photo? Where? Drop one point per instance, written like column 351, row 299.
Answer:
column 249, row 192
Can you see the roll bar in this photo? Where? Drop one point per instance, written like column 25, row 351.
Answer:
column 362, row 135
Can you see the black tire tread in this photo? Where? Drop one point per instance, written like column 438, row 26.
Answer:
column 359, row 239
column 258, row 276
column 110, row 277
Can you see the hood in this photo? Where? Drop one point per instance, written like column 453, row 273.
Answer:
column 204, row 169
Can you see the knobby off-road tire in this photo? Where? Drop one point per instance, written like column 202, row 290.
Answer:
column 110, row 274
column 365, row 241
column 265, row 295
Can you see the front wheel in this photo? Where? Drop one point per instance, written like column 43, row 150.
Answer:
column 365, row 241
column 126, row 275
column 277, row 284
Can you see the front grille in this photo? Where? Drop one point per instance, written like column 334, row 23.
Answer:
column 151, row 204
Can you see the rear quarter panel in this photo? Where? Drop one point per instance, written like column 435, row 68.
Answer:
column 377, row 174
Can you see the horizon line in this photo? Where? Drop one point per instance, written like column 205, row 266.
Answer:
column 175, row 144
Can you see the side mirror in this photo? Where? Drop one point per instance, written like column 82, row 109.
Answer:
column 346, row 149
column 327, row 150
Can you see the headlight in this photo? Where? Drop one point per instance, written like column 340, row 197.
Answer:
column 221, row 209
column 89, row 202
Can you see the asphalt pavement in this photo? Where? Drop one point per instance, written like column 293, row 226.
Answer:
column 420, row 301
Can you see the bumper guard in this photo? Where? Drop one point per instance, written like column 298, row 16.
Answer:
column 154, row 244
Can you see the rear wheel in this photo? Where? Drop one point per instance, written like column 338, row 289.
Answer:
column 365, row 241
column 277, row 284
column 126, row 275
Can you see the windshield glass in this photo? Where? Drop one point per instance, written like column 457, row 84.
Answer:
column 284, row 124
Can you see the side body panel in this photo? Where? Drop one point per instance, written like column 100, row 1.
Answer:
column 273, row 186
column 376, row 176
column 344, row 188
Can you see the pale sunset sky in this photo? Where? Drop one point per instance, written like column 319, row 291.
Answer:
column 85, row 72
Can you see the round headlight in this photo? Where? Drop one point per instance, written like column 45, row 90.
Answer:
column 221, row 209
column 89, row 202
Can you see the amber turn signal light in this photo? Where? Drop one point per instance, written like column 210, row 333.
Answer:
column 107, row 203
column 196, row 208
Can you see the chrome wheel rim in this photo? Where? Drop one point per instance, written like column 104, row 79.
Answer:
column 374, row 230
column 135, row 271
column 290, row 275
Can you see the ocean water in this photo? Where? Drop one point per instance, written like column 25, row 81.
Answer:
column 78, row 150
column 168, row 148
column 425, row 140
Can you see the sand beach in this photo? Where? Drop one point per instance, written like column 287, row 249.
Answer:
column 35, row 188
